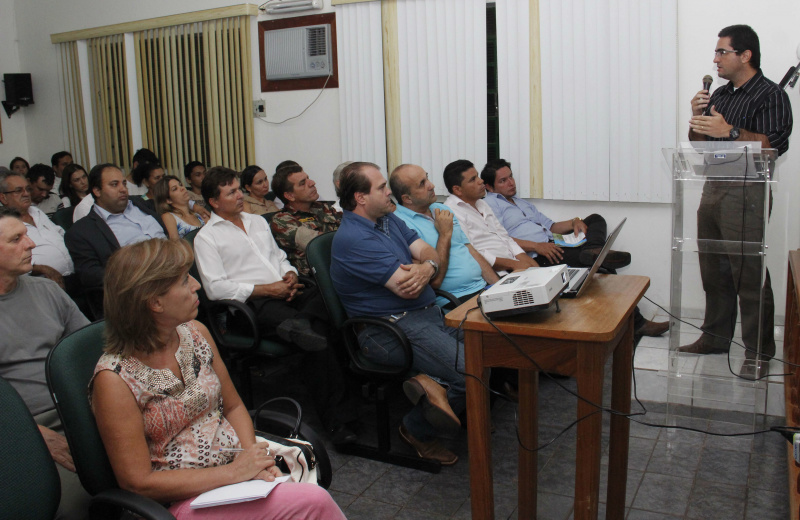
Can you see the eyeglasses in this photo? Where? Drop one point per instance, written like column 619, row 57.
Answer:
column 18, row 191
column 722, row 52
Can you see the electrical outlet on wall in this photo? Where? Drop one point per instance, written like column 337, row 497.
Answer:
column 259, row 108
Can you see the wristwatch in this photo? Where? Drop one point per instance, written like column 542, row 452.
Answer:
column 734, row 134
column 435, row 268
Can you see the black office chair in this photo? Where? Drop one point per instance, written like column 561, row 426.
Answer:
column 63, row 217
column 382, row 379
column 31, row 488
column 239, row 349
column 69, row 368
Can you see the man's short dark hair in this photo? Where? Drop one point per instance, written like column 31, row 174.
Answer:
column 187, row 170
column 744, row 38
column 58, row 156
column 284, row 164
column 215, row 178
column 489, row 171
column 354, row 181
column 142, row 171
column 280, row 181
column 144, row 155
column 248, row 174
column 96, row 176
column 38, row 171
column 454, row 173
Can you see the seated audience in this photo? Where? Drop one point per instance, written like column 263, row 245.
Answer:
column 255, row 183
column 41, row 178
column 158, row 393
column 478, row 221
column 19, row 165
column 59, row 161
column 533, row 231
column 115, row 221
column 172, row 203
column 75, row 185
column 238, row 259
column 194, row 172
column 337, row 173
column 382, row 268
column 24, row 348
column 50, row 256
column 463, row 272
column 141, row 156
column 146, row 175
column 302, row 217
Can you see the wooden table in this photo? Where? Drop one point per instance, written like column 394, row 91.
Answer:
column 575, row 342
column 791, row 383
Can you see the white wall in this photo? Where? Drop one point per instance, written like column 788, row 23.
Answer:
column 15, row 141
column 314, row 138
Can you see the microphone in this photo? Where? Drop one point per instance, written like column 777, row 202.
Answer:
column 707, row 81
column 791, row 76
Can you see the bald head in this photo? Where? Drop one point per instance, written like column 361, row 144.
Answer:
column 412, row 188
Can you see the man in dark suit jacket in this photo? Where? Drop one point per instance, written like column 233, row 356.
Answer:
column 114, row 221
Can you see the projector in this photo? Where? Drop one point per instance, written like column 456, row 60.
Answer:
column 526, row 291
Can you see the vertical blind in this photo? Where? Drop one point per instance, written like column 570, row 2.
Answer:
column 194, row 93
column 110, row 100
column 72, row 103
column 442, row 83
column 361, row 94
column 609, row 94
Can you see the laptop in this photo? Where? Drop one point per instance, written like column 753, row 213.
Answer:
column 581, row 277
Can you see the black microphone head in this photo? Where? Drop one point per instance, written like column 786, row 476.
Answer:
column 707, row 81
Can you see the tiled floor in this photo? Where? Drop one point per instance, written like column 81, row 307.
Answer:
column 672, row 473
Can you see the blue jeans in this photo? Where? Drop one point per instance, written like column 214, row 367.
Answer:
column 435, row 349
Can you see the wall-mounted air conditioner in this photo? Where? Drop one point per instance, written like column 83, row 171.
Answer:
column 292, row 6
column 298, row 52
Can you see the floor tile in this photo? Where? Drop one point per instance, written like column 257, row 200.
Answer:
column 638, row 514
column 675, row 458
column 368, row 509
column 553, row 507
column 663, row 494
column 397, row 485
column 766, row 505
column 724, row 466
column 768, row 473
column 715, row 500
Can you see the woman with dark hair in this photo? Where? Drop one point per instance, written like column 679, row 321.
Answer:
column 255, row 183
column 170, row 418
column 172, row 203
column 146, row 175
column 74, row 185
column 19, row 165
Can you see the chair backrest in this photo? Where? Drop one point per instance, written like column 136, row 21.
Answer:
column 318, row 254
column 69, row 368
column 30, row 485
column 63, row 217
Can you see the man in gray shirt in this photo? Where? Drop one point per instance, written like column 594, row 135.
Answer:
column 24, row 349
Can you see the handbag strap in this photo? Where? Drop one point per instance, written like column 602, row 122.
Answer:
column 295, row 433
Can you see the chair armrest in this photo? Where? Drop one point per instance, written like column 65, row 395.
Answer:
column 106, row 503
column 448, row 296
column 218, row 331
column 353, row 348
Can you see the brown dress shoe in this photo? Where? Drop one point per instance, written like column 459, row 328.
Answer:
column 429, row 450
column 613, row 260
column 435, row 406
column 702, row 346
column 652, row 328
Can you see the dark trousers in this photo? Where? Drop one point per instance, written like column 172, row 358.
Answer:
column 734, row 214
column 322, row 372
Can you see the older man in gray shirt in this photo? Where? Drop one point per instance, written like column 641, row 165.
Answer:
column 23, row 350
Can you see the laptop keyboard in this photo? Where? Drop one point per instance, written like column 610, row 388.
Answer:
column 573, row 273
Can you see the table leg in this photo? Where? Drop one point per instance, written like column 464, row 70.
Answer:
column 478, row 424
column 587, row 463
column 620, row 426
column 529, row 433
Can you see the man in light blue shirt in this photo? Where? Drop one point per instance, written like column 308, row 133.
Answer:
column 533, row 230
column 463, row 272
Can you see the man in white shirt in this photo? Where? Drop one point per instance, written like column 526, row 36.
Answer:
column 484, row 231
column 50, row 256
column 239, row 259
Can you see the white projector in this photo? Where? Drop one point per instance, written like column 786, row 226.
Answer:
column 530, row 290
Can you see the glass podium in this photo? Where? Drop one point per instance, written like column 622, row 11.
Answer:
column 721, row 204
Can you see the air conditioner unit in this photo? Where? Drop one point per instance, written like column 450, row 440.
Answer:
column 298, row 52
column 292, row 6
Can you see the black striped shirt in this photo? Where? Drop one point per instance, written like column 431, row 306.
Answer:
column 758, row 106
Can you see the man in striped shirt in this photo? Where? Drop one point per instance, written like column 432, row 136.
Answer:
column 749, row 108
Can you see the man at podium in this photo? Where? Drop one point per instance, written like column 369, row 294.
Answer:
column 749, row 108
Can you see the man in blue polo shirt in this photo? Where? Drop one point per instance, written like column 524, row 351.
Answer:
column 463, row 272
column 381, row 268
